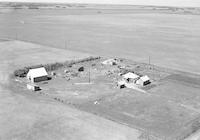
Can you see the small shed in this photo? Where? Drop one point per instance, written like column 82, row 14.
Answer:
column 33, row 87
column 121, row 84
column 131, row 77
column 53, row 73
column 144, row 80
column 110, row 62
column 81, row 69
column 37, row 75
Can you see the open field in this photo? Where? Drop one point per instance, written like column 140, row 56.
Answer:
column 168, row 108
column 133, row 34
column 117, row 8
column 155, row 113
column 24, row 115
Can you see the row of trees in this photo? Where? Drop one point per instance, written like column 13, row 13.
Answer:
column 52, row 66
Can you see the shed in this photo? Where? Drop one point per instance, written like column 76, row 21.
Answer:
column 121, row 84
column 81, row 69
column 53, row 73
column 37, row 75
column 144, row 80
column 33, row 87
column 110, row 62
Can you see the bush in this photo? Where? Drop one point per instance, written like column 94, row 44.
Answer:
column 54, row 66
column 20, row 73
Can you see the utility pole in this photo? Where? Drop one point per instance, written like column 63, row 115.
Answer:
column 89, row 74
column 16, row 37
column 65, row 44
column 149, row 60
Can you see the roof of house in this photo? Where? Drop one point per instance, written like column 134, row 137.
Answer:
column 122, row 82
column 145, row 78
column 37, row 72
column 109, row 61
column 131, row 75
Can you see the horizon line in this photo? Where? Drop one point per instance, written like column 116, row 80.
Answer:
column 114, row 4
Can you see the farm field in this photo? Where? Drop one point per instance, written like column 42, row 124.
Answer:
column 155, row 113
column 168, row 108
column 132, row 34
column 70, row 107
column 24, row 115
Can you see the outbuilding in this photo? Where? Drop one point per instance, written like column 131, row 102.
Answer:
column 37, row 75
column 110, row 62
column 33, row 87
column 121, row 84
column 144, row 80
column 81, row 69
column 131, row 77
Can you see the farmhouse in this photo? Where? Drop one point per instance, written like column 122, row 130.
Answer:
column 37, row 75
column 131, row 77
column 144, row 80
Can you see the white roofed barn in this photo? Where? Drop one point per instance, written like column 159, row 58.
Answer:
column 37, row 75
column 144, row 80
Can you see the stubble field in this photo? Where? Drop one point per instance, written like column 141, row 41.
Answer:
column 171, row 40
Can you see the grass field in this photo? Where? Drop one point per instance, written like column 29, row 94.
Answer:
column 170, row 105
column 172, row 40
column 24, row 115
column 168, row 108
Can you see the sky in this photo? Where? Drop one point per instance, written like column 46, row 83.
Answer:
column 186, row 3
